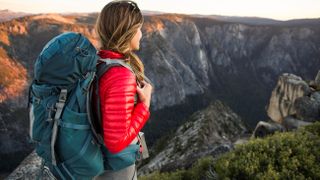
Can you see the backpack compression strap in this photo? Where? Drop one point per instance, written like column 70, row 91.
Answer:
column 59, row 107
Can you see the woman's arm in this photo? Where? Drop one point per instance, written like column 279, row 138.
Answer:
column 121, row 120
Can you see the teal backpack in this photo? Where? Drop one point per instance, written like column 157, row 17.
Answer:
column 63, row 124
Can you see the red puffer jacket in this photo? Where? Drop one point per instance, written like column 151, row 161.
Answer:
column 121, row 119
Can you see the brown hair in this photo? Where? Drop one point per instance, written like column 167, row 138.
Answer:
column 116, row 25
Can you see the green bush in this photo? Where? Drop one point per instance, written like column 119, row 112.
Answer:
column 198, row 171
column 290, row 155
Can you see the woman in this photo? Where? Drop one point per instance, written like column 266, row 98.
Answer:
column 119, row 30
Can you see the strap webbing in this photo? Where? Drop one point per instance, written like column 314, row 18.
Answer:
column 122, row 63
column 81, row 153
column 109, row 62
column 67, row 171
column 59, row 107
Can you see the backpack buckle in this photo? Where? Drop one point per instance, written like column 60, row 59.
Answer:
column 63, row 96
column 89, row 74
column 36, row 100
column 51, row 110
column 86, row 75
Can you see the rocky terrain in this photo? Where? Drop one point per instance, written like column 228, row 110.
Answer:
column 293, row 103
column 211, row 131
column 216, row 129
column 191, row 60
column 287, row 91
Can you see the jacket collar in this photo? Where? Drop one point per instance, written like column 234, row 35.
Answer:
column 110, row 54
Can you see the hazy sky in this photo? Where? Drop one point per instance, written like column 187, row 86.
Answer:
column 276, row 9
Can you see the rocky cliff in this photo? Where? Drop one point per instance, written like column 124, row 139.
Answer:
column 211, row 131
column 294, row 102
column 191, row 61
column 294, row 97
column 288, row 89
column 237, row 62
column 28, row 169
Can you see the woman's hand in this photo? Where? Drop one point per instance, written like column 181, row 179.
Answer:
column 144, row 91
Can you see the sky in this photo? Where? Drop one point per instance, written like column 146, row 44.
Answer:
column 275, row 9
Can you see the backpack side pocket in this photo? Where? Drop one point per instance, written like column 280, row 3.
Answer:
column 76, row 146
column 41, row 113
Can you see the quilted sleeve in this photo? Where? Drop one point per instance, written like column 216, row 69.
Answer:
column 121, row 120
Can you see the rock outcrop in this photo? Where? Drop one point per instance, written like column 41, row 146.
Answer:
column 293, row 103
column 291, row 123
column 265, row 128
column 30, row 169
column 289, row 88
column 211, row 131
column 294, row 97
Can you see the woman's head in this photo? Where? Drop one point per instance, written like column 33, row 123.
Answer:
column 117, row 24
column 119, row 29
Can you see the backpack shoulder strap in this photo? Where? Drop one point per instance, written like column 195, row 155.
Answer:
column 102, row 68
column 110, row 63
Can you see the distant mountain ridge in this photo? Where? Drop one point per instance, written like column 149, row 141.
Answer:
column 7, row 15
column 262, row 21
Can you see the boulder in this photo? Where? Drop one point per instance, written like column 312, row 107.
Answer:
column 30, row 169
column 307, row 109
column 288, row 89
column 266, row 128
column 291, row 123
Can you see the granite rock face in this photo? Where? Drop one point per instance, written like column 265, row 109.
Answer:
column 294, row 97
column 293, row 103
column 307, row 109
column 289, row 88
column 30, row 169
column 211, row 131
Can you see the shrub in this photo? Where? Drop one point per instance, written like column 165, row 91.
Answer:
column 290, row 155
